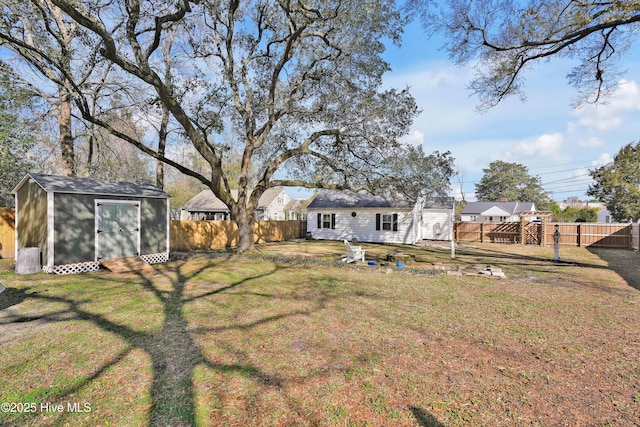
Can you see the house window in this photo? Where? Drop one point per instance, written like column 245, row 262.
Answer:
column 327, row 220
column 387, row 222
column 503, row 219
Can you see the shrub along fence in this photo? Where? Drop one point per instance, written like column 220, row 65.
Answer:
column 207, row 235
column 7, row 233
column 579, row 234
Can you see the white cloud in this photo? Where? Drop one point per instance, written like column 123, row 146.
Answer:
column 545, row 147
column 605, row 117
column 415, row 138
column 591, row 142
column 602, row 160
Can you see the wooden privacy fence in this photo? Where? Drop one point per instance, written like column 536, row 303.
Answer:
column 207, row 235
column 7, row 233
column 580, row 234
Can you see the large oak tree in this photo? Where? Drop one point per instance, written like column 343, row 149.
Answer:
column 296, row 82
column 506, row 38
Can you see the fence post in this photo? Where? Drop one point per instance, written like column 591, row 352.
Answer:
column 482, row 232
column 523, row 237
column 579, row 235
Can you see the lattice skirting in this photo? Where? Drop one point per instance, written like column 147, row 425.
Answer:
column 156, row 258
column 81, row 267
column 85, row 267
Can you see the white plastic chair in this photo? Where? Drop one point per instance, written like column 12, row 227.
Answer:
column 354, row 253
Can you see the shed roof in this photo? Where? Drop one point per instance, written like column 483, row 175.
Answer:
column 76, row 185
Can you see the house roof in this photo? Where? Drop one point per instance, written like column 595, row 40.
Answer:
column 336, row 199
column 510, row 208
column 298, row 204
column 206, row 201
column 439, row 203
column 269, row 196
column 76, row 185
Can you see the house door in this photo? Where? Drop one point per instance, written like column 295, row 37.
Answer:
column 117, row 229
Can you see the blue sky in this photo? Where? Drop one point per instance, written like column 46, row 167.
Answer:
column 556, row 142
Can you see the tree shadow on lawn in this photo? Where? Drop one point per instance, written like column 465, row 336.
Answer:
column 174, row 353
column 511, row 257
column 622, row 261
column 424, row 418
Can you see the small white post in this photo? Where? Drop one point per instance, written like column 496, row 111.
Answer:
column 451, row 236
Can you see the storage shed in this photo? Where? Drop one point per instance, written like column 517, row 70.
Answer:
column 77, row 222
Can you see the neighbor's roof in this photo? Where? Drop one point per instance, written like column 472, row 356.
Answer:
column 206, row 201
column 75, row 185
column 337, row 199
column 298, row 204
column 269, row 195
column 511, row 207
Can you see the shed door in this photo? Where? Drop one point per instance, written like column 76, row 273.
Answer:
column 117, row 229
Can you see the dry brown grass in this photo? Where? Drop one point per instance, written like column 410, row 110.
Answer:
column 292, row 336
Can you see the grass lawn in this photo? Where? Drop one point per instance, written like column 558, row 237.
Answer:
column 291, row 336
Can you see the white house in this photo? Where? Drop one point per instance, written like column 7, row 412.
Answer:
column 206, row 206
column 339, row 215
column 605, row 216
column 272, row 204
column 497, row 211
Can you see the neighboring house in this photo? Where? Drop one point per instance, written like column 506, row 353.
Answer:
column 497, row 211
column 272, row 204
column 605, row 216
column 603, row 213
column 206, row 206
column 296, row 209
column 339, row 215
column 77, row 222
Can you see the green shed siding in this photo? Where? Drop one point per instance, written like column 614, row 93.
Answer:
column 32, row 218
column 154, row 227
column 74, row 226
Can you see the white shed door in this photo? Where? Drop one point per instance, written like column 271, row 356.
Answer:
column 436, row 225
column 117, row 229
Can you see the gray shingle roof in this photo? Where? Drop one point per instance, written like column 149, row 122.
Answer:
column 349, row 199
column 75, row 185
column 206, row 201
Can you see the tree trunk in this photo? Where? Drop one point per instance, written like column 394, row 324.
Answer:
column 66, row 137
column 162, row 144
column 244, row 221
